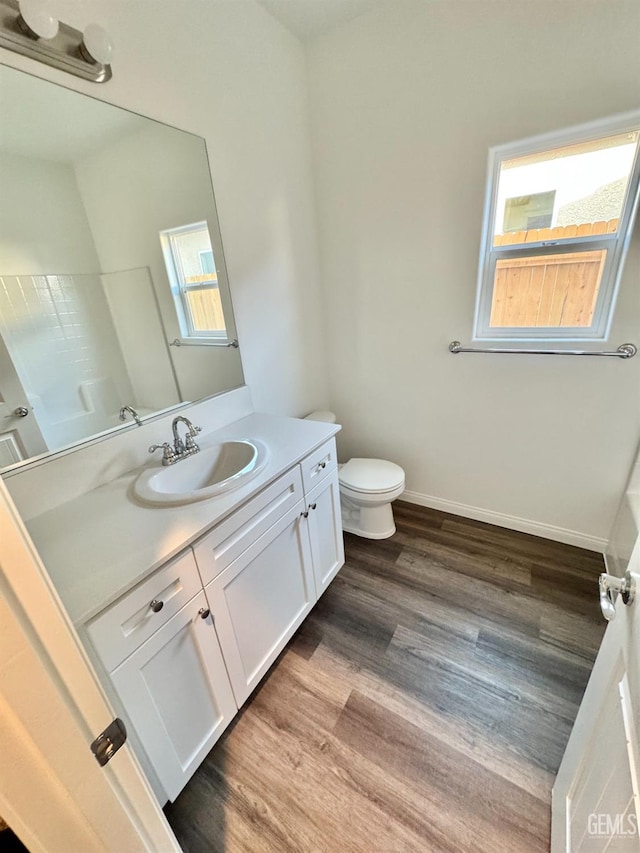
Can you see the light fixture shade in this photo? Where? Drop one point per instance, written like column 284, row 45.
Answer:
column 97, row 45
column 39, row 21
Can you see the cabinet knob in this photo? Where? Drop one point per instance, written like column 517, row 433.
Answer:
column 204, row 612
column 322, row 464
column 156, row 605
column 312, row 506
column 305, row 514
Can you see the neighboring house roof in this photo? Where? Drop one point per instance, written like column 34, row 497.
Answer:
column 605, row 203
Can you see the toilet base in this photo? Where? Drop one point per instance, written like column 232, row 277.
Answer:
column 370, row 522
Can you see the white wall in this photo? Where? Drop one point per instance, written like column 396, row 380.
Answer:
column 43, row 224
column 227, row 71
column 405, row 103
column 134, row 310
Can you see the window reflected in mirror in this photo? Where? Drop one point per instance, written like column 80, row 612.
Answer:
column 190, row 263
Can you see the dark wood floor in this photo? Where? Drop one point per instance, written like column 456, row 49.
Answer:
column 424, row 705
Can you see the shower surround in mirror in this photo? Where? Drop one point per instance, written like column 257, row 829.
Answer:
column 87, row 307
column 71, row 353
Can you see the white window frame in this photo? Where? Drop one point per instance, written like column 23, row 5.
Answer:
column 179, row 287
column 615, row 244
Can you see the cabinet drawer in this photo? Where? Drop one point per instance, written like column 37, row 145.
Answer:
column 318, row 464
column 131, row 620
column 219, row 548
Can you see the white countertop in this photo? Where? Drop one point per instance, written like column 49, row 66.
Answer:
column 101, row 544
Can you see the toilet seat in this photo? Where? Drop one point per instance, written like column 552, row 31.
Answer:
column 370, row 476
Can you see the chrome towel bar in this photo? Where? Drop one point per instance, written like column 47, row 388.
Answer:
column 623, row 351
column 176, row 342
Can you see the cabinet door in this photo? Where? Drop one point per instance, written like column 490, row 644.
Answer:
column 176, row 691
column 325, row 531
column 261, row 598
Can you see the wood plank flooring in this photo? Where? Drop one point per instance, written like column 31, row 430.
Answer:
column 424, row 705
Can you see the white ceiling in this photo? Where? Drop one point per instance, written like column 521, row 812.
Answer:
column 307, row 19
column 50, row 122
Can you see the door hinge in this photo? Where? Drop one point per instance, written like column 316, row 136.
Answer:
column 109, row 741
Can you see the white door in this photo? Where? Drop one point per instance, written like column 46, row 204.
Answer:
column 20, row 436
column 177, row 693
column 325, row 531
column 596, row 801
column 261, row 598
column 56, row 790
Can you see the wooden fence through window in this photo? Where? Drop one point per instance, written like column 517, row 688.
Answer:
column 549, row 290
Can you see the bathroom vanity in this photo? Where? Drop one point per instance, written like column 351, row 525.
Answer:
column 183, row 609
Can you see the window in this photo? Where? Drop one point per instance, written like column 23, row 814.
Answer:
column 194, row 281
column 558, row 218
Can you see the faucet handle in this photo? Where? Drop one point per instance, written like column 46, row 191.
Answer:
column 168, row 454
column 189, row 444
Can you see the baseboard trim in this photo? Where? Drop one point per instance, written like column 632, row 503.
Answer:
column 609, row 563
column 512, row 522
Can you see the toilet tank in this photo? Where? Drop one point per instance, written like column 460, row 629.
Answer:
column 325, row 417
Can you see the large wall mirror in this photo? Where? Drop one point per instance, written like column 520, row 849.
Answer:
column 113, row 287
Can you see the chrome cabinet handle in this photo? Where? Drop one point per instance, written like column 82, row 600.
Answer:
column 204, row 612
column 312, row 506
column 305, row 514
column 322, row 464
column 156, row 605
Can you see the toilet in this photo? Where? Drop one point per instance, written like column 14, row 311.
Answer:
column 367, row 487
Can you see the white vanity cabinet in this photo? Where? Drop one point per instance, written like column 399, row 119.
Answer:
column 165, row 663
column 186, row 647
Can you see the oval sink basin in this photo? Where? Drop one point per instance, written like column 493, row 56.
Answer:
column 210, row 472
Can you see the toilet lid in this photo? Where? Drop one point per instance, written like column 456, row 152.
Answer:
column 371, row 475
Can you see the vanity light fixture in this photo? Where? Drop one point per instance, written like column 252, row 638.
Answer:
column 30, row 28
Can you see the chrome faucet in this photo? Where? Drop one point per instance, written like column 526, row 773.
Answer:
column 181, row 449
column 132, row 412
column 188, row 446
